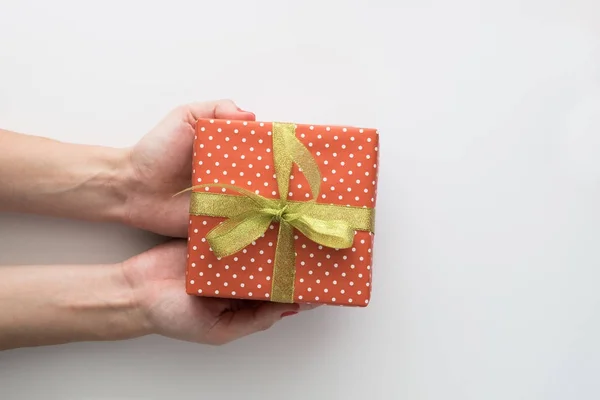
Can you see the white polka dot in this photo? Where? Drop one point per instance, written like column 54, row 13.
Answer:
column 195, row 247
column 333, row 299
column 233, row 293
column 349, row 300
column 192, row 282
column 250, row 294
column 316, row 298
column 199, row 290
column 209, row 283
column 242, row 284
column 251, row 277
column 310, row 272
column 342, row 291
column 300, row 297
column 225, row 284
column 234, row 276
column 268, row 278
column 309, row 289
column 266, row 294
column 217, row 291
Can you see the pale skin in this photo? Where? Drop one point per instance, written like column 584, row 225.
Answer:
column 46, row 305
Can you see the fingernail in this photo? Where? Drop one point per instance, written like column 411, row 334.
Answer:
column 288, row 313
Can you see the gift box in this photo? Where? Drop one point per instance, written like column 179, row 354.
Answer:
column 282, row 212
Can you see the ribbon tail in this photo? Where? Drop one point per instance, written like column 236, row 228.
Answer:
column 284, row 268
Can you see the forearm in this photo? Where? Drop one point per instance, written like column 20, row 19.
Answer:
column 44, row 176
column 46, row 305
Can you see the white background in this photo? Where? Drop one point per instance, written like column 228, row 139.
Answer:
column 488, row 224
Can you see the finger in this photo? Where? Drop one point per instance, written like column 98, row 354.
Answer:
column 233, row 325
column 221, row 109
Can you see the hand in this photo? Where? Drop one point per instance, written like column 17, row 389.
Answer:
column 161, row 165
column 158, row 281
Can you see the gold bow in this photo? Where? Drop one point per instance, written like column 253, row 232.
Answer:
column 250, row 215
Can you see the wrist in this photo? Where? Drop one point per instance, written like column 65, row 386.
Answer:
column 118, row 180
column 129, row 319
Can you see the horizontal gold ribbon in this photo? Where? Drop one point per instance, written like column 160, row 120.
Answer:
column 250, row 215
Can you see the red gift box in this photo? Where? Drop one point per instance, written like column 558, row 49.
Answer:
column 240, row 154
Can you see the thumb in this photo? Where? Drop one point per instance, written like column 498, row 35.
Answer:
column 220, row 109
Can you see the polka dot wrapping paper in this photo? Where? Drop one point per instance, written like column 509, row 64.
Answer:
column 240, row 153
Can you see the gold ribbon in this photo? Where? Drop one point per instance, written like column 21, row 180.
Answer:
column 250, row 215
